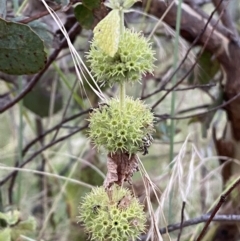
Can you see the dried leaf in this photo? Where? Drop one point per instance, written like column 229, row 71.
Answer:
column 112, row 176
column 120, row 167
column 124, row 203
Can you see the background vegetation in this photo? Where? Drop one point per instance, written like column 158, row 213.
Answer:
column 47, row 160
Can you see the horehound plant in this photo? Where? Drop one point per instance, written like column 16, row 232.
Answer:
column 122, row 126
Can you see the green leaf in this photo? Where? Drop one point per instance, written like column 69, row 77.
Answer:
column 84, row 16
column 74, row 192
column 39, row 99
column 3, row 216
column 3, row 220
column 41, row 29
column 5, row 234
column 26, row 227
column 21, row 50
column 13, row 217
column 3, row 8
column 206, row 69
column 91, row 4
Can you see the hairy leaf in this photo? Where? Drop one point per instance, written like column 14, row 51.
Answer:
column 84, row 16
column 5, row 234
column 39, row 99
column 91, row 4
column 42, row 31
column 21, row 49
column 206, row 69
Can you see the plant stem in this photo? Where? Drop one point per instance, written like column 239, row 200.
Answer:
column 19, row 8
column 121, row 15
column 122, row 91
column 122, row 94
column 174, row 80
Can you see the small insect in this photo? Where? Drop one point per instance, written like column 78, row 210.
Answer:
column 124, row 202
column 100, row 107
column 145, row 150
column 96, row 208
column 146, row 142
column 150, row 137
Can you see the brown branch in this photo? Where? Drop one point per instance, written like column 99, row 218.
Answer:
column 218, row 206
column 225, row 104
column 201, row 86
column 220, row 28
column 226, row 18
column 195, row 41
column 198, row 107
column 182, row 219
column 191, row 24
column 35, row 140
column 194, row 64
column 201, row 219
column 37, row 77
column 225, row 49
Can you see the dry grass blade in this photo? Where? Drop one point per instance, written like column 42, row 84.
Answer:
column 153, row 233
column 80, row 67
column 46, row 174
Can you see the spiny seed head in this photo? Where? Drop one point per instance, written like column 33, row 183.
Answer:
column 121, row 129
column 134, row 58
column 109, row 221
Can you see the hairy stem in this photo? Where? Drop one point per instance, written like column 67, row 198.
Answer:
column 122, row 86
column 122, row 95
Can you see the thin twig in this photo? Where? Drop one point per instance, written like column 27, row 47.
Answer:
column 218, row 206
column 201, row 219
column 194, row 64
column 40, row 138
column 192, row 87
column 166, row 116
column 65, row 109
column 39, row 15
column 227, row 32
column 199, row 107
column 194, row 221
column 35, row 140
column 184, row 58
column 182, row 219
column 4, row 180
